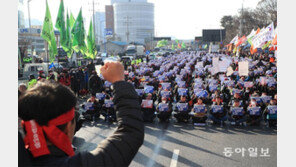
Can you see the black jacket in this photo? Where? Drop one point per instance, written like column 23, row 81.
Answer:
column 118, row 149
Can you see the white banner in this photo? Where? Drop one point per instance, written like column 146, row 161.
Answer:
column 229, row 71
column 264, row 36
column 215, row 68
column 223, row 65
column 243, row 68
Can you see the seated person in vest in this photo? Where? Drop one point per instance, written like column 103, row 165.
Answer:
column 92, row 107
column 200, row 112
column 254, row 112
column 148, row 108
column 218, row 111
column 271, row 113
column 48, row 115
column 108, row 110
column 237, row 114
column 182, row 110
column 164, row 109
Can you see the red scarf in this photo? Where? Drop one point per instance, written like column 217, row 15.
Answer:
column 35, row 139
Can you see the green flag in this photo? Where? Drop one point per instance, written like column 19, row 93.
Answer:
column 183, row 45
column 72, row 20
column 91, row 45
column 68, row 47
column 60, row 25
column 48, row 35
column 173, row 46
column 79, row 34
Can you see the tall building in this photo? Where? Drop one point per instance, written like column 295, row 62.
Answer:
column 119, row 1
column 100, row 25
column 109, row 17
column 133, row 20
column 20, row 12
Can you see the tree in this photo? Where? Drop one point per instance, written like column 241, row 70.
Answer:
column 266, row 11
column 262, row 16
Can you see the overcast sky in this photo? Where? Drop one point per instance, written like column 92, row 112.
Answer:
column 179, row 19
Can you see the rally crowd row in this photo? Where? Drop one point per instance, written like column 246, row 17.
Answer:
column 188, row 87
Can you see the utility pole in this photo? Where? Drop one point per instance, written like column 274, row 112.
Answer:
column 127, row 22
column 92, row 9
column 30, row 27
column 241, row 20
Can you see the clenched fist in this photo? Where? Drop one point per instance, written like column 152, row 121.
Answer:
column 113, row 72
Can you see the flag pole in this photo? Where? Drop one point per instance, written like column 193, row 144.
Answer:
column 47, row 57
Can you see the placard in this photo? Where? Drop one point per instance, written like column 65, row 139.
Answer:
column 201, row 93
column 217, row 108
column 163, row 107
column 89, row 106
column 140, row 92
column 272, row 109
column 181, row 84
column 229, row 71
column 166, row 85
column 108, row 103
column 199, row 108
column 100, row 96
column 147, row 103
column 263, row 80
column 257, row 99
column 254, row 110
column 182, row 91
column 248, row 84
column 165, row 94
column 182, row 106
column 243, row 68
column 213, row 88
column 107, row 84
column 148, row 89
column 266, row 99
column 237, row 111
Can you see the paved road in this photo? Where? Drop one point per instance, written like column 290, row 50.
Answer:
column 193, row 146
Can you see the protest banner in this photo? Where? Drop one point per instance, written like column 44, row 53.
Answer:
column 215, row 68
column 163, row 107
column 109, row 103
column 237, row 111
column 199, row 108
column 100, row 96
column 147, row 103
column 223, row 65
column 254, row 110
column 243, row 68
column 272, row 109
column 229, row 71
column 182, row 106
column 217, row 109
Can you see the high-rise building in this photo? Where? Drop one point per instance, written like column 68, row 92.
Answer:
column 109, row 17
column 100, row 25
column 21, row 17
column 119, row 1
column 134, row 20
